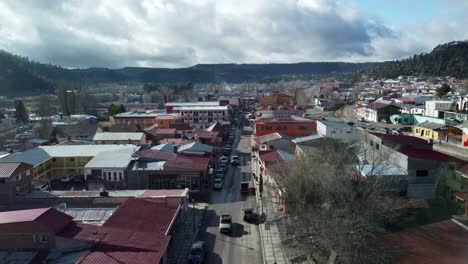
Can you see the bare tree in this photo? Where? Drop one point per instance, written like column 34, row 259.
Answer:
column 332, row 210
column 44, row 129
column 166, row 93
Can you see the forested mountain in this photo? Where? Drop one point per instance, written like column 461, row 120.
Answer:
column 21, row 76
column 450, row 59
column 17, row 79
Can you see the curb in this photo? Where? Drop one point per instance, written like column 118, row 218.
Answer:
column 257, row 198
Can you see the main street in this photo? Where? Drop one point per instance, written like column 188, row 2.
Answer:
column 243, row 245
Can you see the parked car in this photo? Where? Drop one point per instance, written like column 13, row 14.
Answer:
column 223, row 166
column 227, row 150
column 249, row 214
column 77, row 178
column 42, row 187
column 223, row 160
column 217, row 184
column 386, row 130
column 198, row 253
column 225, row 222
column 219, row 174
column 235, row 160
column 67, row 178
column 363, row 119
column 350, row 123
column 396, row 132
column 383, row 121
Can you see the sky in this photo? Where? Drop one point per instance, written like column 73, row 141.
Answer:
column 182, row 33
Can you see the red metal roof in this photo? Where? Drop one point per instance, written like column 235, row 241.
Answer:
column 402, row 138
column 7, row 169
column 427, row 154
column 166, row 131
column 377, row 106
column 441, row 242
column 135, row 233
column 49, row 218
column 175, row 160
column 292, row 119
column 270, row 157
column 183, row 126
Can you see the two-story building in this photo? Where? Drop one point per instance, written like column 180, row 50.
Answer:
column 294, row 126
column 276, row 99
column 438, row 108
column 336, row 129
column 143, row 119
column 15, row 177
column 411, row 154
column 377, row 112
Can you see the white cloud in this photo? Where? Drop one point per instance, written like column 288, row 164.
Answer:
column 175, row 33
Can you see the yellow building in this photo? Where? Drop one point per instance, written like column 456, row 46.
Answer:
column 53, row 162
column 430, row 130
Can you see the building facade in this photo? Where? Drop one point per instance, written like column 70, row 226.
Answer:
column 292, row 127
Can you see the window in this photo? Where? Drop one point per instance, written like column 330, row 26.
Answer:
column 71, row 159
column 2, row 181
column 377, row 146
column 428, row 133
column 121, row 176
column 303, row 128
column 371, row 143
column 422, row 173
column 28, row 173
column 54, row 160
column 268, row 128
column 195, row 120
column 43, row 238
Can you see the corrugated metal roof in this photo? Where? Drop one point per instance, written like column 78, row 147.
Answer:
column 7, row 169
column 119, row 158
column 33, row 156
column 195, row 147
column 50, row 218
column 119, row 136
column 137, row 232
column 81, row 150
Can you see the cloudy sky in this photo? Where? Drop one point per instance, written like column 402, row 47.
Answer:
column 179, row 33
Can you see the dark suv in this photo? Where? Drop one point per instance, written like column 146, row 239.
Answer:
column 197, row 253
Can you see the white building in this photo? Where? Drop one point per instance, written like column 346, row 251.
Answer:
column 437, row 108
column 336, row 130
column 203, row 116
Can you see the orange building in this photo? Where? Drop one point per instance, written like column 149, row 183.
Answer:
column 292, row 127
column 276, row 99
column 165, row 121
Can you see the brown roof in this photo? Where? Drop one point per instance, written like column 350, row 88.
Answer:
column 441, row 242
column 8, row 169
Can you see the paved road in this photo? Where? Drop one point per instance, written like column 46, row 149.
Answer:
column 243, row 245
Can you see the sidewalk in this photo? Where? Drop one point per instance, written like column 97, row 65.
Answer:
column 272, row 247
column 184, row 233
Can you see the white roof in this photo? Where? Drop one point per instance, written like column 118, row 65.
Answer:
column 120, row 136
column 112, row 159
column 197, row 108
column 60, row 151
column 215, row 103
column 382, row 170
column 308, row 138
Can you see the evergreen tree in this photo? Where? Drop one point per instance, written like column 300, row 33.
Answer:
column 21, row 114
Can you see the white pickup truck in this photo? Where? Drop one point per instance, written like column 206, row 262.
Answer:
column 225, row 222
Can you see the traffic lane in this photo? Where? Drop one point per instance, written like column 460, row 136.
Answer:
column 243, row 245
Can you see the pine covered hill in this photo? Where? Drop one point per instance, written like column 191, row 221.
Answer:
column 450, row 59
column 17, row 79
column 20, row 76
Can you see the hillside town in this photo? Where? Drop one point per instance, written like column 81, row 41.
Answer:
column 220, row 176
